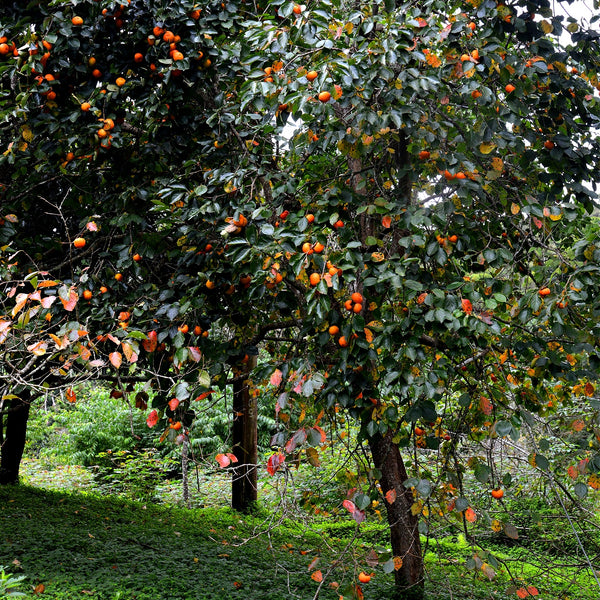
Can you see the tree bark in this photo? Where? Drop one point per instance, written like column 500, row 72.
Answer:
column 13, row 440
column 404, row 532
column 244, row 492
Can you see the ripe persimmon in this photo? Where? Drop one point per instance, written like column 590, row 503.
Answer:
column 343, row 342
column 312, row 75
column 97, row 73
column 87, row 294
column 119, row 276
column 324, row 96
column 103, row 289
column 79, row 242
column 77, row 20
column 314, row 278
column 307, row 248
column 318, row 247
column 334, row 330
column 183, row 328
column 177, row 55
column 85, row 106
column 510, row 88
column 424, row 155
column 544, row 292
column 357, row 297
column 310, row 217
column 297, row 10
column 138, row 57
column 120, row 81
column 364, row 577
column 497, row 493
column 357, row 308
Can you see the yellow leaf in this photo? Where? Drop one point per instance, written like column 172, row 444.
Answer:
column 23, row 146
column 377, row 257
column 486, row 147
column 514, row 208
column 416, row 508
column 26, row 133
column 348, row 28
column 368, row 335
column 397, row 563
column 547, row 27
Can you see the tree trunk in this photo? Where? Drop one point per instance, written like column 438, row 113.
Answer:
column 244, row 493
column 13, row 440
column 404, row 531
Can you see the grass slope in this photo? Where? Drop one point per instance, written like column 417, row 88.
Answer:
column 81, row 545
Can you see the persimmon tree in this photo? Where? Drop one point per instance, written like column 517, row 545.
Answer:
column 393, row 200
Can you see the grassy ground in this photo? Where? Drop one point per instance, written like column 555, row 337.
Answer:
column 80, row 545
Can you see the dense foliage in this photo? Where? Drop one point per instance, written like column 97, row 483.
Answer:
column 393, row 200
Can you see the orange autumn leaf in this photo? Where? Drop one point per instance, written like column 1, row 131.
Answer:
column 386, row 221
column 467, row 306
column 390, row 496
column 317, row 576
column 485, row 405
column 527, row 592
column 71, row 396
column 71, row 303
column 470, row 515
column 589, row 389
column 368, row 335
column 116, row 359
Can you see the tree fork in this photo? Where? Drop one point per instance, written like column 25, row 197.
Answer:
column 244, row 492
column 404, row 526
column 15, row 433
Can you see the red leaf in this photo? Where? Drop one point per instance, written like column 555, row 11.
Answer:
column 173, row 403
column 359, row 516
column 467, row 306
column 275, row 378
column 195, row 353
column 485, row 406
column 386, row 221
column 223, row 460
column 232, row 457
column 274, row 463
column 71, row 303
column 152, row 419
column 91, row 226
column 115, row 359
column 322, row 433
column 71, row 396
column 527, row 592
column 349, row 505
column 390, row 496
column 150, row 344
column 470, row 515
column 203, row 395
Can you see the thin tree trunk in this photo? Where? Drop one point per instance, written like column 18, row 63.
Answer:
column 185, row 459
column 13, row 441
column 404, row 531
column 244, row 492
